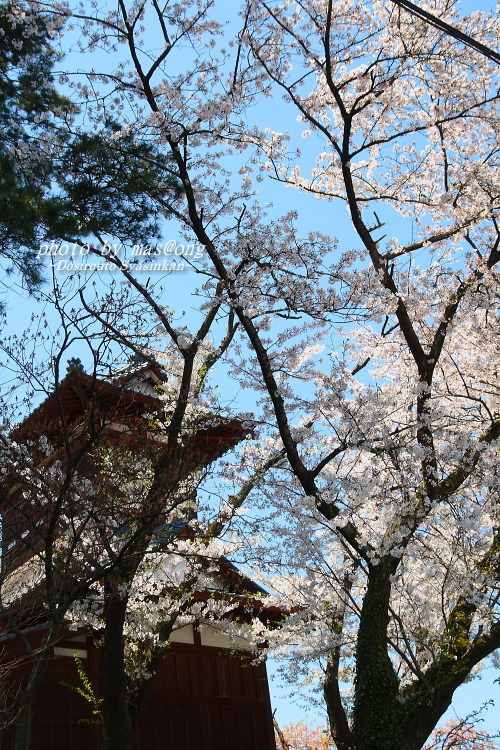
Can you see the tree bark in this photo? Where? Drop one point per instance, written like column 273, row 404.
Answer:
column 21, row 723
column 22, row 726
column 339, row 727
column 376, row 719
column 117, row 726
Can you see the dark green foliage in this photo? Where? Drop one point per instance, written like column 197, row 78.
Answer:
column 57, row 183
column 111, row 180
column 27, row 94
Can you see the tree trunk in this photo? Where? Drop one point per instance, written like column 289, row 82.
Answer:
column 376, row 719
column 337, row 719
column 22, row 726
column 21, row 723
column 117, row 726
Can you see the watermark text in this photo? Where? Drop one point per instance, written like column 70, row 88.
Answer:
column 143, row 256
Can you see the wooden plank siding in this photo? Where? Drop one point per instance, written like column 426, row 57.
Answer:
column 203, row 698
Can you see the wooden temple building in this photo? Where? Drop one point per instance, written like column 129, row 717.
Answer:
column 208, row 694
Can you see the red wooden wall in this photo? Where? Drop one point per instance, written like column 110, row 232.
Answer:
column 202, row 699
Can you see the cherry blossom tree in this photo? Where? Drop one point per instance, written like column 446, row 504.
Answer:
column 102, row 518
column 375, row 475
column 461, row 735
column 301, row 736
column 398, row 135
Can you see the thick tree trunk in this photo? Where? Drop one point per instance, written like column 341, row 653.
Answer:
column 22, row 726
column 117, row 726
column 376, row 719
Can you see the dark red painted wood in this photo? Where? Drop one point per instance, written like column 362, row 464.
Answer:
column 202, row 698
